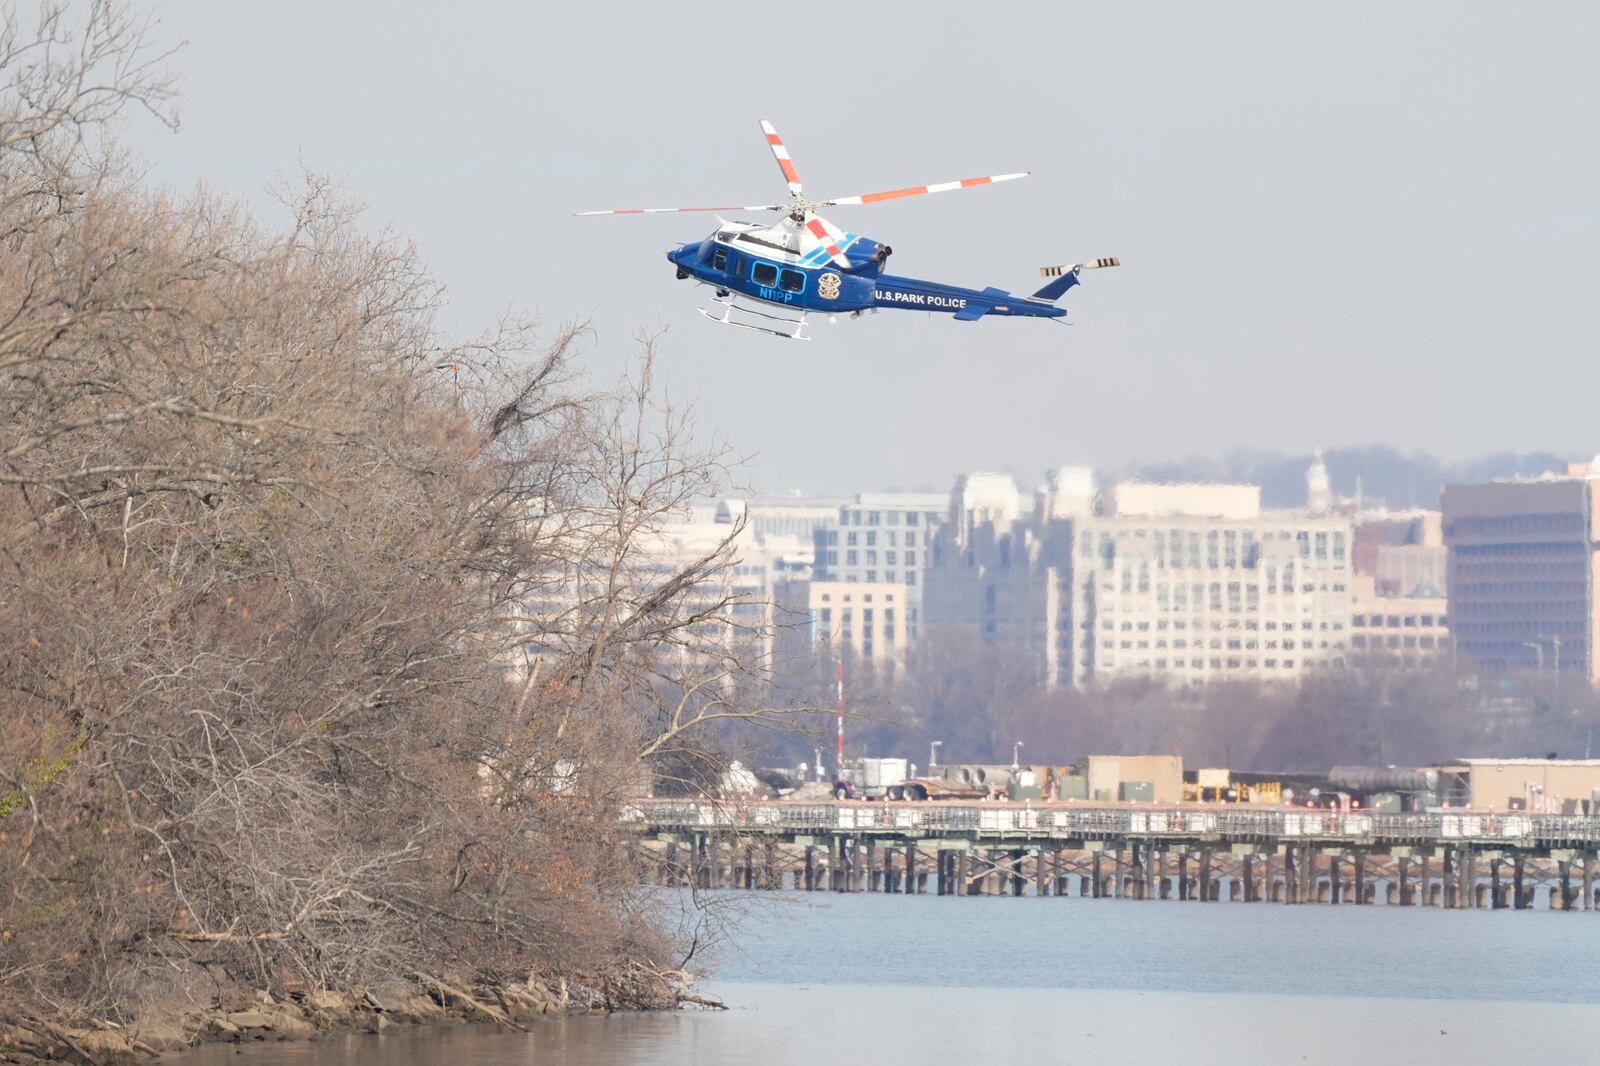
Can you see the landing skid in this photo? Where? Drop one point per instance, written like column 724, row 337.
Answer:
column 730, row 306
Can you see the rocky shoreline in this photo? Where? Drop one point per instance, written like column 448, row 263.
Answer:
column 250, row 1017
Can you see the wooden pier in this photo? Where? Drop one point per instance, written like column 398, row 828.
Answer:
column 1498, row 859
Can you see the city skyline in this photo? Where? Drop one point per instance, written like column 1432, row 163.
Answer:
column 1374, row 471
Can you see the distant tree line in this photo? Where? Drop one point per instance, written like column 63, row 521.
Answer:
column 977, row 701
column 1382, row 473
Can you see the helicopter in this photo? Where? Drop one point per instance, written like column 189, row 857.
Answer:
column 805, row 264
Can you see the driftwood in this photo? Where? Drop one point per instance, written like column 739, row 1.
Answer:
column 701, row 1001
column 60, row 1035
column 494, row 1013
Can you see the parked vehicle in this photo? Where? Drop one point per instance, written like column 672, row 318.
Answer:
column 870, row 778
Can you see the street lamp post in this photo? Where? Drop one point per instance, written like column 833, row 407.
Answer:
column 1015, row 748
column 1538, row 650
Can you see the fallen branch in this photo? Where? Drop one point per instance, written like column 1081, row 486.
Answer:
column 60, row 1035
column 224, row 938
column 493, row 1013
column 701, row 1001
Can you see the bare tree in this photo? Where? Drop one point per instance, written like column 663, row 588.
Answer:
column 333, row 649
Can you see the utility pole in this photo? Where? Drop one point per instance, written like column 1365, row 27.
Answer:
column 838, row 665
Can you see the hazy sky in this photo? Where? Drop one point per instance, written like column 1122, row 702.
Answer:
column 1339, row 223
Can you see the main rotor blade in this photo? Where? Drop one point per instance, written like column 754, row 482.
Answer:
column 918, row 190
column 781, row 153
column 665, row 210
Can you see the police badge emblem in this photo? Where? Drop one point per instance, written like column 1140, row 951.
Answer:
column 828, row 286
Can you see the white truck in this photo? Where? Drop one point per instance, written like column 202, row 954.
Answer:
column 871, row 778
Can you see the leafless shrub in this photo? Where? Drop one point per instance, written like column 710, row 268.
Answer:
column 331, row 650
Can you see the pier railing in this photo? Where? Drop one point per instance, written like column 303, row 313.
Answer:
column 1085, row 821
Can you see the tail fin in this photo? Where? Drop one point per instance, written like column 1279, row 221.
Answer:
column 1067, row 276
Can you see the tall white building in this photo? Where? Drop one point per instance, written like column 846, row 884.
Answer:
column 785, row 516
column 1191, row 583
column 883, row 538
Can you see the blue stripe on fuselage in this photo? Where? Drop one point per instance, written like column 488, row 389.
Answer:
column 818, row 256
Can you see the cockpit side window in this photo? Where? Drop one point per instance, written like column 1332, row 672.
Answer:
column 719, row 258
column 764, row 274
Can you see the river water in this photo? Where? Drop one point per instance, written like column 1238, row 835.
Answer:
column 928, row 979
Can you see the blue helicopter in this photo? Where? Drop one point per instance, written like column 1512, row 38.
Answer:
column 804, row 263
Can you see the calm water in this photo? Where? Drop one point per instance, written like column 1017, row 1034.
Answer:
column 885, row 980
